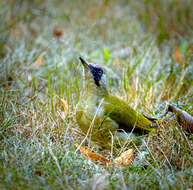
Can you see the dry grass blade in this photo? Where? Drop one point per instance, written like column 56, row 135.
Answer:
column 38, row 62
column 66, row 108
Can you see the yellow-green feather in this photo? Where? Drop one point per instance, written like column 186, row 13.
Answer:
column 101, row 123
column 123, row 114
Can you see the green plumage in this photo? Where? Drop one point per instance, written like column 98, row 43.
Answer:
column 125, row 116
column 100, row 115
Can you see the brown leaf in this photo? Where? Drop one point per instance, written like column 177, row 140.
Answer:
column 178, row 56
column 38, row 62
column 91, row 155
column 125, row 159
column 183, row 118
column 58, row 32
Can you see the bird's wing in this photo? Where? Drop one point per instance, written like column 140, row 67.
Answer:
column 125, row 116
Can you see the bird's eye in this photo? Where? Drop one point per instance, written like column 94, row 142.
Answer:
column 100, row 72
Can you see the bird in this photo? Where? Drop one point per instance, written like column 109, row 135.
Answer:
column 100, row 115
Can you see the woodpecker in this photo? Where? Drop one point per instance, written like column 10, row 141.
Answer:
column 100, row 115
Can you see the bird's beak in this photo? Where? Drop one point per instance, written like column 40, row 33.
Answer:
column 85, row 64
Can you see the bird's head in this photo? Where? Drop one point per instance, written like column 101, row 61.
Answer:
column 95, row 78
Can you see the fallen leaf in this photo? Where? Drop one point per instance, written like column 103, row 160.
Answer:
column 38, row 62
column 91, row 155
column 183, row 118
column 125, row 158
column 178, row 56
column 58, row 32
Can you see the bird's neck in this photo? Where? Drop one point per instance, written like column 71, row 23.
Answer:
column 93, row 90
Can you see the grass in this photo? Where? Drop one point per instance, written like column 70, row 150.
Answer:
column 136, row 42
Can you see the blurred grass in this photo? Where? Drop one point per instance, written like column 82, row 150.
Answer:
column 136, row 42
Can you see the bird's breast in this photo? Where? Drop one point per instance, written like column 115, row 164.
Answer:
column 89, row 109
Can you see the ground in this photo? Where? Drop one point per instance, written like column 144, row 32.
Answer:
column 146, row 45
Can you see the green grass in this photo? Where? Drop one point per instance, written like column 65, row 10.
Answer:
column 135, row 41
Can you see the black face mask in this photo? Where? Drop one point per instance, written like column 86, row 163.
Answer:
column 97, row 73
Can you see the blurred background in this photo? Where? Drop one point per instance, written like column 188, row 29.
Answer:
column 140, row 40
column 115, row 33
column 102, row 21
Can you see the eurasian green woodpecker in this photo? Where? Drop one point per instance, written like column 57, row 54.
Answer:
column 100, row 115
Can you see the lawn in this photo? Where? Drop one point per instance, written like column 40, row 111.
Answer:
column 147, row 48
